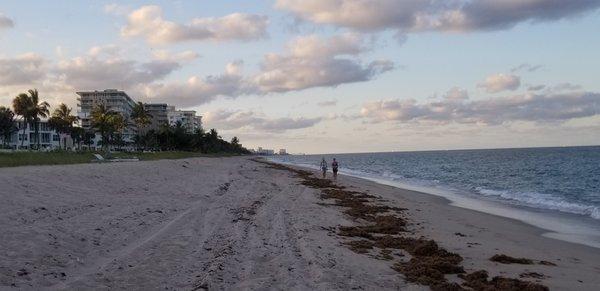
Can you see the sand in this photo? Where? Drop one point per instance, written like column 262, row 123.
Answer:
column 232, row 223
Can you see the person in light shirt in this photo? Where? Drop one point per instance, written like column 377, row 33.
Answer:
column 324, row 167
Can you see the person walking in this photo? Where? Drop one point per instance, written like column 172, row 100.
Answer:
column 324, row 167
column 334, row 167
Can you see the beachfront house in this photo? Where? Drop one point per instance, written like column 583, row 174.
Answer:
column 48, row 137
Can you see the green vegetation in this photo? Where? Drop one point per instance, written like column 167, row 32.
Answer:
column 16, row 159
column 31, row 109
column 7, row 125
column 62, row 121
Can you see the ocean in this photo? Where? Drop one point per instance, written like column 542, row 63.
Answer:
column 554, row 188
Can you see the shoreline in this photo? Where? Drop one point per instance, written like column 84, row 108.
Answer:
column 232, row 223
column 505, row 235
column 554, row 224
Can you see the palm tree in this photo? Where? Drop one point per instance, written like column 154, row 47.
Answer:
column 107, row 123
column 141, row 117
column 7, row 124
column 21, row 105
column 62, row 121
column 77, row 135
column 31, row 109
column 38, row 109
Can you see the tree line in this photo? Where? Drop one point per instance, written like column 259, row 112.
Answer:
column 109, row 125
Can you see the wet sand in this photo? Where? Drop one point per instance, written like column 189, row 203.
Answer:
column 233, row 223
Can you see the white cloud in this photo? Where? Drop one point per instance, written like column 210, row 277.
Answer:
column 27, row 68
column 309, row 62
column 148, row 22
column 110, row 50
column 117, row 9
column 184, row 56
column 526, row 107
column 6, row 22
column 199, row 90
column 436, row 15
column 456, row 94
column 327, row 103
column 501, row 82
column 104, row 68
column 238, row 119
column 315, row 62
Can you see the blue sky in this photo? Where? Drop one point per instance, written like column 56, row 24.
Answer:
column 317, row 76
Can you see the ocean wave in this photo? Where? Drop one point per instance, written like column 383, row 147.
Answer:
column 542, row 201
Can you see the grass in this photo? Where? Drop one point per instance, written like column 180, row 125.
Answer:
column 62, row 158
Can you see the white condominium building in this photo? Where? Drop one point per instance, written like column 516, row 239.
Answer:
column 159, row 114
column 188, row 118
column 114, row 100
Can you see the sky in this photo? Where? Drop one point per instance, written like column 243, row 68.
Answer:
column 326, row 76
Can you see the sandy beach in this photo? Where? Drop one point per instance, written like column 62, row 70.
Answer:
column 234, row 223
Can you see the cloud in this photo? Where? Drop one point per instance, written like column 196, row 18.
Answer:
column 28, row 68
column 238, row 119
column 148, row 22
column 436, row 15
column 185, row 56
column 536, row 87
column 199, row 90
column 526, row 67
column 109, row 50
column 117, row 9
column 525, row 107
column 6, row 22
column 308, row 62
column 102, row 67
column 456, row 94
column 311, row 61
column 501, row 82
column 331, row 102
column 565, row 87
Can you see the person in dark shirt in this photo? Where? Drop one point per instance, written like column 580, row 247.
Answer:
column 334, row 167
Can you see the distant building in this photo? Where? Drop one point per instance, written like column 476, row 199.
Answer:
column 282, row 152
column 114, row 100
column 159, row 113
column 188, row 118
column 264, row 152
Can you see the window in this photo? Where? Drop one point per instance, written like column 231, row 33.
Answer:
column 55, row 137
column 44, row 126
column 45, row 137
